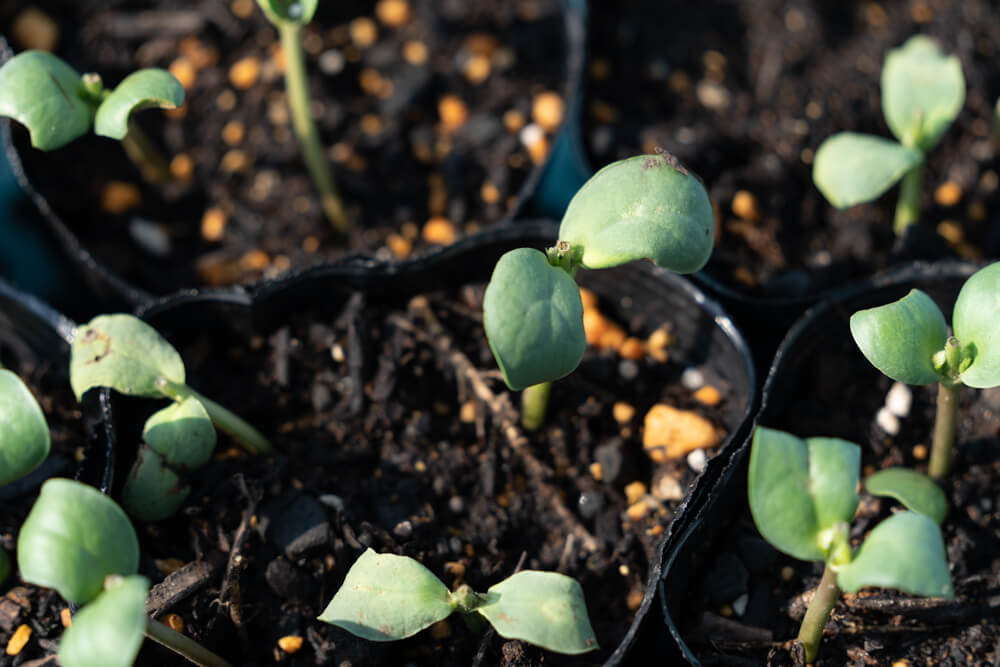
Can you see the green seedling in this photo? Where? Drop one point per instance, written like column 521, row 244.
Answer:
column 386, row 597
column 288, row 16
column 803, row 496
column 79, row 542
column 57, row 105
column 908, row 341
column 645, row 207
column 922, row 92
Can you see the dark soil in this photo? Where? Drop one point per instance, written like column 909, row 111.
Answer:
column 234, row 152
column 745, row 92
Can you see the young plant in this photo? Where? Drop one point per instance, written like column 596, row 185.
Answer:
column 922, row 93
column 79, row 542
column 803, row 496
column 386, row 597
column 288, row 16
column 645, row 207
column 908, row 341
column 57, row 105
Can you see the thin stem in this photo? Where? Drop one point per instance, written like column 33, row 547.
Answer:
column 908, row 206
column 305, row 127
column 534, row 403
column 144, row 155
column 223, row 418
column 823, row 600
column 183, row 645
column 944, row 429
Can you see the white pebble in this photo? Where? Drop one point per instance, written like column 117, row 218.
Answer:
column 531, row 134
column 739, row 605
column 332, row 501
column 692, row 379
column 697, row 460
column 899, row 399
column 150, row 235
column 331, row 62
column 888, row 421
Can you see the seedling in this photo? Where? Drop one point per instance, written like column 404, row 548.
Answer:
column 79, row 542
column 386, row 597
column 908, row 341
column 288, row 16
column 803, row 496
column 57, row 105
column 922, row 93
column 645, row 207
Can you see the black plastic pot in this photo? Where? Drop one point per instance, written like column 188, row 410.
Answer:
column 705, row 337
column 818, row 345
column 551, row 182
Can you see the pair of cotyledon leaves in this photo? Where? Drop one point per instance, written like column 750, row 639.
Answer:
column 922, row 93
column 802, row 491
column 645, row 207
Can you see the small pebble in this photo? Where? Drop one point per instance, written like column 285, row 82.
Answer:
column 666, row 486
column 182, row 167
column 712, row 95
column 118, row 197
column 331, row 62
column 637, row 511
column 531, row 134
column 634, row 491
column 392, row 13
column 476, row 69
column 18, row 640
column 697, row 460
column 623, row 412
column 290, row 643
column 887, row 421
column 596, row 471
column 150, row 236
column 740, row 604
column 951, row 231
column 547, row 110
column 632, row 348
column 692, row 379
column 658, row 343
column 363, row 32
column 948, row 193
column 745, row 206
column 244, row 72
column 920, row 452
column 415, row 52
column 65, row 617
column 174, row 622
column 670, row 433
column 899, row 399
column 184, row 71
column 213, row 224
column 456, row 504
column 403, row 529
column 628, row 369
column 453, row 112
column 634, row 599
column 440, row 231
column 708, row 395
column 33, row 29
column 590, row 503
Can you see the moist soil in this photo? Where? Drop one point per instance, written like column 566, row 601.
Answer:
column 745, row 92
column 422, row 116
column 383, row 440
column 839, row 396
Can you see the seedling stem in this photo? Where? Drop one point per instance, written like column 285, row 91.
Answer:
column 824, row 598
column 908, row 206
column 183, row 645
column 224, row 419
column 944, row 429
column 534, row 403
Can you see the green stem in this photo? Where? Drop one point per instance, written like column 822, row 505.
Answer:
column 908, row 206
column 823, row 600
column 224, row 419
column 944, row 429
column 534, row 403
column 144, row 155
column 183, row 645
column 305, row 127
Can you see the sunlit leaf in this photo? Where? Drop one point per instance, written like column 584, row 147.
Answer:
column 108, row 631
column 917, row 492
column 24, row 434
column 139, row 90
column 976, row 320
column 851, row 168
column 47, row 96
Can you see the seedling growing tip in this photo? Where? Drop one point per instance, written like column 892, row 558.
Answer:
column 803, row 496
column 908, row 341
column 922, row 92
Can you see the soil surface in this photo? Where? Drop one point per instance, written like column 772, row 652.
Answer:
column 745, row 92
column 434, row 113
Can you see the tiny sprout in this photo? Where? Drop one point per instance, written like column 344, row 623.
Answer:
column 922, row 92
column 908, row 341
column 387, row 597
column 645, row 207
column 803, row 496
column 57, row 105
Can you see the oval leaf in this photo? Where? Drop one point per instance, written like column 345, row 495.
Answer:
column 139, row 90
column 905, row 552
column 152, row 490
column 124, row 353
column 47, row 96
column 24, row 434
column 645, row 207
column 975, row 320
column 546, row 609
column 922, row 92
column 901, row 337
column 295, row 12
column 533, row 317
column 182, row 433
column 917, row 492
column 799, row 489
column 73, row 538
column 108, row 632
column 851, row 168
column 387, row 597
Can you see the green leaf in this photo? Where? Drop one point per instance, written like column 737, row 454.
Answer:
column 900, row 338
column 73, row 538
column 153, row 491
column 917, row 492
column 182, row 433
column 533, row 317
column 108, row 632
column 905, row 552
column 47, row 96
column 851, row 168
column 24, row 434
column 124, row 353
column 922, row 92
column 139, row 90
column 644, row 207
column 387, row 597
column 296, row 12
column 546, row 609
column 977, row 312
column 800, row 490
